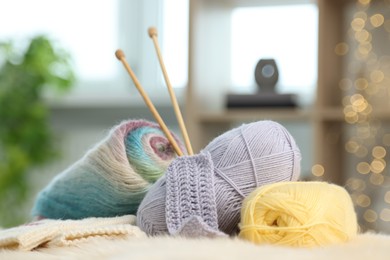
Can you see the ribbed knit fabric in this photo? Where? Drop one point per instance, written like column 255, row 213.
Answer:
column 191, row 208
column 190, row 196
column 56, row 233
column 232, row 165
column 112, row 178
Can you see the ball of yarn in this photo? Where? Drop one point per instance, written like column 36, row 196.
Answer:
column 112, row 178
column 243, row 158
column 149, row 152
column 300, row 214
column 249, row 157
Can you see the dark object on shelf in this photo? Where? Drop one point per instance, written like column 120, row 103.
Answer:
column 270, row 100
column 266, row 75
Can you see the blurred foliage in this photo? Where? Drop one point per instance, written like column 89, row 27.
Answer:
column 26, row 140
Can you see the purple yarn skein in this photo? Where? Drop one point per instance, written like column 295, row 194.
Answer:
column 242, row 159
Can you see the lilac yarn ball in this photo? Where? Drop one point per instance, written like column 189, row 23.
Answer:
column 241, row 159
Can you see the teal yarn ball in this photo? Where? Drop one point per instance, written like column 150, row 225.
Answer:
column 144, row 159
column 112, row 178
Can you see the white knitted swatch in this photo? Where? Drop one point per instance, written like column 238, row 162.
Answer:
column 49, row 233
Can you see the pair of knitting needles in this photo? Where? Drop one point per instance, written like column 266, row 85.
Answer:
column 121, row 57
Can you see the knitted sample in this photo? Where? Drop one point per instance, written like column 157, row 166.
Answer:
column 190, row 199
column 191, row 195
column 238, row 161
column 112, row 178
column 56, row 233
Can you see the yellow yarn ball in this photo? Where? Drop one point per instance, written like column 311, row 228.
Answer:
column 300, row 214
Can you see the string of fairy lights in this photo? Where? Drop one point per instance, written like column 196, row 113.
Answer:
column 366, row 89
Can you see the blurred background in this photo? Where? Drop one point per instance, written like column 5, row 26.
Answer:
column 70, row 88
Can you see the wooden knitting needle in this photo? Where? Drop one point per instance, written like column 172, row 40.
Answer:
column 152, row 31
column 121, row 57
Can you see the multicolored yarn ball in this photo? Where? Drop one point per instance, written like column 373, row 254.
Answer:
column 299, row 214
column 223, row 174
column 112, row 178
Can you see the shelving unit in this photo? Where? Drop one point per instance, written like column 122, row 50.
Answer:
column 206, row 114
column 329, row 146
column 233, row 115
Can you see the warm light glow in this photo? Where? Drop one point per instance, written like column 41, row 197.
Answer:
column 363, row 201
column 364, row 48
column 387, row 197
column 360, row 106
column 351, row 117
column 377, row 178
column 318, row 170
column 378, row 152
column 348, row 108
column 377, row 76
column 370, row 215
column 363, row 168
column 356, row 184
column 358, row 24
column 368, row 65
column 361, row 83
column 378, row 165
column 368, row 110
column 385, row 214
column 351, row 146
column 356, row 99
column 362, row 36
column 341, row 48
column 377, row 20
column 364, row 2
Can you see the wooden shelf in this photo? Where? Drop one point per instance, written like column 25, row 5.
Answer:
column 329, row 114
column 236, row 115
column 209, row 65
column 336, row 114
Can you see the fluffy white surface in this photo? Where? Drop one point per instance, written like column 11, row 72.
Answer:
column 365, row 246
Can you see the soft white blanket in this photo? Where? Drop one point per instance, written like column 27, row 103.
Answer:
column 365, row 246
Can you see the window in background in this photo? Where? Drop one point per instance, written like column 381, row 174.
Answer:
column 92, row 30
column 175, row 40
column 286, row 33
column 87, row 33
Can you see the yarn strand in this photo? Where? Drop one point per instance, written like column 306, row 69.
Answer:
column 251, row 158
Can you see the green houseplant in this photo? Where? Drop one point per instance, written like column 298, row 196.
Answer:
column 26, row 139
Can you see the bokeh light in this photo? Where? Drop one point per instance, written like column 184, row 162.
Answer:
column 318, row 170
column 366, row 88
